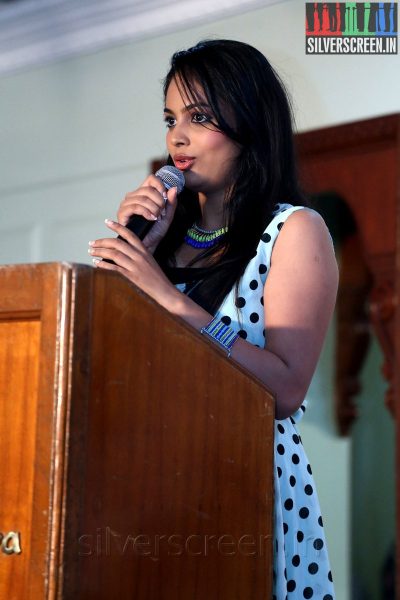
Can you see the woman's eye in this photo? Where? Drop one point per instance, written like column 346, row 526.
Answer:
column 169, row 121
column 200, row 118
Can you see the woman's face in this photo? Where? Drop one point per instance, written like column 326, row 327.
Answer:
column 203, row 153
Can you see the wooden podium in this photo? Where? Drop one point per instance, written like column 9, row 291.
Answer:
column 136, row 460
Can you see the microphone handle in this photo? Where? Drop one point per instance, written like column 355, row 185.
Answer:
column 138, row 225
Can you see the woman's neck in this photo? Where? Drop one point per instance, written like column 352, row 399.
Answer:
column 211, row 206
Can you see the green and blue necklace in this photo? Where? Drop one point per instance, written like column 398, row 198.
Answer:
column 201, row 238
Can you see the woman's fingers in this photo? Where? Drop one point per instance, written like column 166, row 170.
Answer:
column 115, row 248
column 146, row 201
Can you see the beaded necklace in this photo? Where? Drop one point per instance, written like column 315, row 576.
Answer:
column 201, row 238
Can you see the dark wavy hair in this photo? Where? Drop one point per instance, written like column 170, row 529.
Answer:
column 235, row 75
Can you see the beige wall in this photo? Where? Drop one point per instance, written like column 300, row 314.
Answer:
column 75, row 136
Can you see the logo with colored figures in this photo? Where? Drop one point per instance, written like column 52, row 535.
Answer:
column 351, row 28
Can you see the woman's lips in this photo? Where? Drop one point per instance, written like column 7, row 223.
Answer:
column 183, row 163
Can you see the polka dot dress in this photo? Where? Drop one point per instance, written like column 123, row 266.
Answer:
column 301, row 563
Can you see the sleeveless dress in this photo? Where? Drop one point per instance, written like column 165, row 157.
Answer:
column 301, row 563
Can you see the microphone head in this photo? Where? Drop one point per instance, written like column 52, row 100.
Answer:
column 171, row 177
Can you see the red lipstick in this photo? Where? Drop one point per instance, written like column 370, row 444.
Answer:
column 183, row 162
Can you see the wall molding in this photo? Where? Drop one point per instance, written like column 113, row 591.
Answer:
column 36, row 32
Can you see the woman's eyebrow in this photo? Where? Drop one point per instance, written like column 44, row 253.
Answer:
column 189, row 107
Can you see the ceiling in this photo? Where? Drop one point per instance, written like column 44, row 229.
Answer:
column 34, row 32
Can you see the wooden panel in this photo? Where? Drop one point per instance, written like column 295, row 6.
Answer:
column 138, row 426
column 19, row 365
column 38, row 294
column 177, row 469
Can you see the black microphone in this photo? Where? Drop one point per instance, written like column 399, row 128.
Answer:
column 171, row 177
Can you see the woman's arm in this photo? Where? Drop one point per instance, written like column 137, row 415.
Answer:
column 299, row 298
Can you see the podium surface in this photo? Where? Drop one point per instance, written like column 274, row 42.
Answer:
column 136, row 460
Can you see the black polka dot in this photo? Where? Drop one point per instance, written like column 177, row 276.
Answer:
column 320, row 522
column 281, row 449
column 291, row 585
column 292, row 480
column 303, row 408
column 300, row 536
column 264, row 332
column 308, row 592
column 262, row 269
column 262, row 300
column 295, row 438
column 330, row 576
column 227, row 320
column 296, row 560
column 242, row 333
column 295, row 459
column 285, row 528
column 309, row 469
column 281, row 428
column 327, row 597
column 308, row 489
column 313, row 568
column 253, row 284
column 303, row 513
column 276, row 545
column 266, row 238
column 288, row 504
column 240, row 302
column 279, row 226
column 318, row 544
column 292, row 421
column 279, row 471
column 254, row 317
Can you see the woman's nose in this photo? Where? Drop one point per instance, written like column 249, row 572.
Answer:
column 179, row 135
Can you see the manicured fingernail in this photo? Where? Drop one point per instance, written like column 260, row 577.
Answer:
column 90, row 250
column 165, row 196
column 91, row 243
column 155, row 218
column 108, row 221
column 96, row 260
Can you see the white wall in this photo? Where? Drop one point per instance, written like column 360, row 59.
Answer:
column 75, row 136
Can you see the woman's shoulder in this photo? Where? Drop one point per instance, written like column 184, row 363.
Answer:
column 304, row 232
column 302, row 221
column 297, row 219
column 293, row 229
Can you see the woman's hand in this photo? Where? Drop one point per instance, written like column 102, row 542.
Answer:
column 153, row 202
column 133, row 260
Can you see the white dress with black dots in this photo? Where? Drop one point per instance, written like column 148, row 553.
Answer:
column 301, row 563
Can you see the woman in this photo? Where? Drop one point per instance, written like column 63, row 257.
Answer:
column 214, row 258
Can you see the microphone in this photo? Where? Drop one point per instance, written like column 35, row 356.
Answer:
column 171, row 177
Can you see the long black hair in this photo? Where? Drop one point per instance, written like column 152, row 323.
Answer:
column 235, row 75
